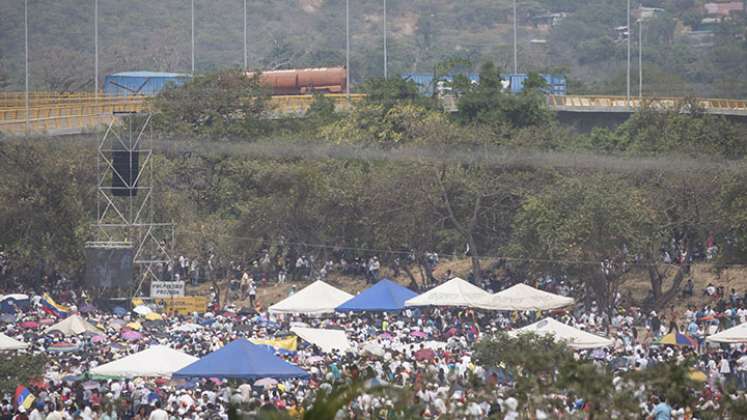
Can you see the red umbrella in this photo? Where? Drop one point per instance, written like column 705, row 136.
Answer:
column 419, row 334
column 47, row 321
column 425, row 354
column 29, row 324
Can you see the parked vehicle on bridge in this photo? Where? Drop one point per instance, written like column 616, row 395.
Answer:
column 279, row 82
column 304, row 81
column 146, row 83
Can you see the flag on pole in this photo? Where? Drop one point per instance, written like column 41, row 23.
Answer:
column 23, row 397
column 53, row 308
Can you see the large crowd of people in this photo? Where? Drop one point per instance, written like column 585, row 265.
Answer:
column 427, row 350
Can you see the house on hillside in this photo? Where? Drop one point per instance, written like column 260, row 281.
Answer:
column 723, row 9
column 645, row 13
column 546, row 21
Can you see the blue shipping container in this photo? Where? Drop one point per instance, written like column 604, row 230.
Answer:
column 425, row 80
column 556, row 84
column 140, row 82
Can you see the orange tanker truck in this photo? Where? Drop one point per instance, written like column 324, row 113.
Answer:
column 303, row 81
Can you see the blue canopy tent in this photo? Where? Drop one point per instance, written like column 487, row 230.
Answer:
column 241, row 359
column 384, row 296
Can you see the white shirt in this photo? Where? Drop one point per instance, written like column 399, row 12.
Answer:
column 724, row 366
column 158, row 414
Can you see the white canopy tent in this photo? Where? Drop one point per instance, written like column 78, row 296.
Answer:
column 455, row 292
column 74, row 325
column 326, row 340
column 522, row 297
column 316, row 298
column 577, row 339
column 155, row 361
column 733, row 335
column 8, row 343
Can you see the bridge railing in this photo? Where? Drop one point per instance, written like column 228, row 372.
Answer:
column 85, row 111
column 621, row 104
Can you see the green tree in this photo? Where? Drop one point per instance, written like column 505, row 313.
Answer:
column 595, row 223
column 223, row 104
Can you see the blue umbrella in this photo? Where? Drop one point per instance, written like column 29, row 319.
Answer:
column 119, row 311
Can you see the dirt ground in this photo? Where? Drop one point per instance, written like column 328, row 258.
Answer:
column 638, row 284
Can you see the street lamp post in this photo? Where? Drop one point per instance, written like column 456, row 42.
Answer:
column 96, row 50
column 516, row 65
column 627, row 74
column 386, row 72
column 26, row 42
column 193, row 36
column 640, row 62
column 347, row 48
column 246, row 58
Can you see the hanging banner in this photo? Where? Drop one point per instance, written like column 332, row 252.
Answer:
column 184, row 305
column 165, row 289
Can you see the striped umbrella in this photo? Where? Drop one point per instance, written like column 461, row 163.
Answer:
column 676, row 339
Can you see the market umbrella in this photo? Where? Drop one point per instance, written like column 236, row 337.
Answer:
column 142, row 310
column 119, row 311
column 88, row 308
column 697, row 375
column 63, row 347
column 676, row 339
column 153, row 316
column 91, row 385
column 47, row 321
column 98, row 338
column 134, row 326
column 314, row 359
column 385, row 335
column 8, row 318
column 130, row 335
column 266, row 382
column 418, row 334
column 29, row 324
column 425, row 354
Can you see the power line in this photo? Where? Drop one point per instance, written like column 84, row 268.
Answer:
column 395, row 252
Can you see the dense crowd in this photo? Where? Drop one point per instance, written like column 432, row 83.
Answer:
column 427, row 350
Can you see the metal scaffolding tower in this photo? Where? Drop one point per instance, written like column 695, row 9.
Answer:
column 126, row 199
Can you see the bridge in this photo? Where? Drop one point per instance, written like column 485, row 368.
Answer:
column 56, row 114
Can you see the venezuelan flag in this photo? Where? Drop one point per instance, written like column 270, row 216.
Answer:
column 53, row 308
column 23, row 397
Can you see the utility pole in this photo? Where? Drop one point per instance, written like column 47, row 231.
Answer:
column 516, row 65
column 627, row 74
column 246, row 57
column 193, row 37
column 26, row 37
column 640, row 63
column 96, row 50
column 386, row 72
column 347, row 48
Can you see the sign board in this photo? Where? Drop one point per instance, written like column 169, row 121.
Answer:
column 165, row 289
column 184, row 305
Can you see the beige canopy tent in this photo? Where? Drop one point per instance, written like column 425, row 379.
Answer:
column 733, row 335
column 522, row 297
column 74, row 325
column 8, row 343
column 155, row 361
column 577, row 339
column 316, row 298
column 326, row 340
column 455, row 292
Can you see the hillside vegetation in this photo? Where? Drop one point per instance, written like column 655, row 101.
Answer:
column 499, row 183
column 582, row 43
